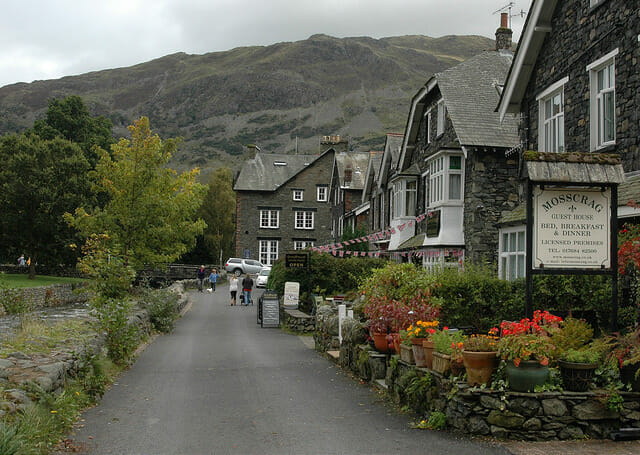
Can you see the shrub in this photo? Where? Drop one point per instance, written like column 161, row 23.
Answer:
column 397, row 296
column 10, row 440
column 163, row 308
column 328, row 275
column 476, row 298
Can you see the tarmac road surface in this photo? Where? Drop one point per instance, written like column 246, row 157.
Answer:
column 221, row 384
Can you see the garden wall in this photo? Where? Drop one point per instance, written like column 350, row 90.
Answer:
column 50, row 296
column 498, row 413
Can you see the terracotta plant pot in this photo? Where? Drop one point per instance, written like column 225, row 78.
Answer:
column 427, row 347
column 406, row 354
column 418, row 352
column 480, row 366
column 380, row 342
column 457, row 368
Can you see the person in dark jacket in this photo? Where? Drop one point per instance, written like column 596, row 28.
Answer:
column 201, row 275
column 247, row 286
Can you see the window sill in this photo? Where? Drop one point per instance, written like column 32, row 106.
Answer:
column 592, row 8
column 608, row 148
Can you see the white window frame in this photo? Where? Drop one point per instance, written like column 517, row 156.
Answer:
column 427, row 125
column 597, row 101
column 304, row 219
column 298, row 195
column 425, row 182
column 302, row 244
column 440, row 172
column 510, row 258
column 321, row 193
column 405, row 198
column 551, row 127
column 441, row 117
column 268, row 251
column 269, row 219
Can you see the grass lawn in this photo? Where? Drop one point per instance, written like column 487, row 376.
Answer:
column 21, row 280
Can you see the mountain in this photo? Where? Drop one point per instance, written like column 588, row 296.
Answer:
column 279, row 97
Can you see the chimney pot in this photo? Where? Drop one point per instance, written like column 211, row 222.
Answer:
column 504, row 20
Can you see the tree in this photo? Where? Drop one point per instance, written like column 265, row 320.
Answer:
column 350, row 234
column 217, row 211
column 149, row 218
column 40, row 180
column 70, row 119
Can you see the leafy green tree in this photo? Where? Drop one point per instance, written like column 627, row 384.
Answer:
column 149, row 218
column 40, row 180
column 217, row 210
column 349, row 233
column 70, row 119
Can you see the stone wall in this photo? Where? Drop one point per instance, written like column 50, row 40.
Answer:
column 297, row 321
column 50, row 296
column 477, row 411
column 526, row 416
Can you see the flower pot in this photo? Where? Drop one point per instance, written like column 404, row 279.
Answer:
column 629, row 375
column 441, row 363
column 526, row 376
column 418, row 354
column 480, row 366
column 427, row 347
column 577, row 377
column 406, row 354
column 380, row 342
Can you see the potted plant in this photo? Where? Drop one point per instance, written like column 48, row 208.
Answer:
column 526, row 347
column 577, row 367
column 406, row 351
column 625, row 350
column 417, row 334
column 445, row 342
column 480, row 356
column 396, row 296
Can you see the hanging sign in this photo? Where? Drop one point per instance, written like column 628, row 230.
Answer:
column 572, row 228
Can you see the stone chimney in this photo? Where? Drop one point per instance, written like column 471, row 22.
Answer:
column 348, row 174
column 504, row 33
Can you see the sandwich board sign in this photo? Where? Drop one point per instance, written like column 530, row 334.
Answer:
column 291, row 295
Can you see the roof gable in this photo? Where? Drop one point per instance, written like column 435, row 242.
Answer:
column 269, row 171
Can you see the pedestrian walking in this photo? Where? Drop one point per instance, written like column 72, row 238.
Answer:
column 200, row 277
column 247, row 287
column 233, row 288
column 213, row 278
column 21, row 261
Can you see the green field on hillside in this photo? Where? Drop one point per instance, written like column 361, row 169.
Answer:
column 21, row 280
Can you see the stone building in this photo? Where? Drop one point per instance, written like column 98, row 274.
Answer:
column 347, row 183
column 282, row 204
column 575, row 81
column 452, row 166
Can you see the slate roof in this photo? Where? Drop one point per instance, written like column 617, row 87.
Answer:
column 471, row 94
column 268, row 171
column 390, row 158
column 358, row 162
column 373, row 173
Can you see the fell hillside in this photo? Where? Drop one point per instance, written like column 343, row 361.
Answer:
column 280, row 97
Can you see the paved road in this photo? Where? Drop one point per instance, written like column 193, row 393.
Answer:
column 220, row 384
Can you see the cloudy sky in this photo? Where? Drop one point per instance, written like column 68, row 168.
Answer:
column 49, row 39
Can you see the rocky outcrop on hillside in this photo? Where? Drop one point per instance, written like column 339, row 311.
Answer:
column 283, row 97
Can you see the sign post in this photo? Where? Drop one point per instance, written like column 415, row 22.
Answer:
column 572, row 230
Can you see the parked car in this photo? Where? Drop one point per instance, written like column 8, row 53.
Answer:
column 263, row 277
column 240, row 266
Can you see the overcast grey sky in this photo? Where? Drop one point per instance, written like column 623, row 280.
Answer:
column 49, row 39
